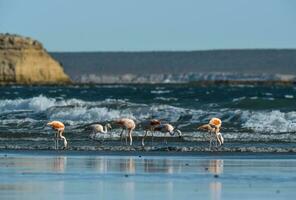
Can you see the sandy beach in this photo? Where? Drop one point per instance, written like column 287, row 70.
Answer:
column 118, row 175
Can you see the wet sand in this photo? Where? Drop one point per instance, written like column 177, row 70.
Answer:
column 173, row 145
column 139, row 175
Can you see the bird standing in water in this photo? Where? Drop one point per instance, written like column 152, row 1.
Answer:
column 213, row 127
column 98, row 128
column 149, row 125
column 168, row 128
column 60, row 128
column 126, row 124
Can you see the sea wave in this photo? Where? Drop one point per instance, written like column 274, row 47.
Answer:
column 38, row 103
column 160, row 91
column 269, row 121
column 166, row 99
column 84, row 114
column 32, row 113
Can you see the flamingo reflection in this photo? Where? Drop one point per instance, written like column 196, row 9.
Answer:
column 128, row 165
column 59, row 163
column 216, row 168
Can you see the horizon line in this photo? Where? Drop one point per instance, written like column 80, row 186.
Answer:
column 174, row 51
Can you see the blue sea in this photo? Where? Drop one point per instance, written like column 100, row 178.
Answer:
column 255, row 118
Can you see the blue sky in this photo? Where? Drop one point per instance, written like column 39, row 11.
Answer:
column 140, row 25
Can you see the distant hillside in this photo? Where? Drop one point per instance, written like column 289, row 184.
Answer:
column 24, row 60
column 96, row 65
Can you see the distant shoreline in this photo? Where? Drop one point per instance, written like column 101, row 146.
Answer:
column 193, row 83
column 174, row 51
column 180, row 66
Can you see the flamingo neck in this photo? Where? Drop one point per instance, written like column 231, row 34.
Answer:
column 106, row 129
column 65, row 141
column 172, row 133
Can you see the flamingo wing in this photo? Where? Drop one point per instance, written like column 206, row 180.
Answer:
column 56, row 125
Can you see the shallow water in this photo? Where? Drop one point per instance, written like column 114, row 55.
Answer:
column 250, row 114
column 37, row 175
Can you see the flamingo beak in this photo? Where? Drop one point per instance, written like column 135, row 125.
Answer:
column 179, row 133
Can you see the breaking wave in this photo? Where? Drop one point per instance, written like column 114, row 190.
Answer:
column 269, row 121
column 39, row 103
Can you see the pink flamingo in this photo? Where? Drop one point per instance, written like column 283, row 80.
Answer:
column 59, row 127
column 213, row 128
column 128, row 125
column 149, row 125
column 98, row 128
column 168, row 128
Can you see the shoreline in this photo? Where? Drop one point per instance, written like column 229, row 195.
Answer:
column 175, row 147
column 212, row 155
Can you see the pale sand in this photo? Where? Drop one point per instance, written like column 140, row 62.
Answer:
column 60, row 175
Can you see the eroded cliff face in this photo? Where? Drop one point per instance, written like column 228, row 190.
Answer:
column 25, row 61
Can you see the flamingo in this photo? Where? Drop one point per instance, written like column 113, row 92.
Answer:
column 149, row 125
column 98, row 128
column 59, row 127
column 213, row 127
column 168, row 128
column 126, row 124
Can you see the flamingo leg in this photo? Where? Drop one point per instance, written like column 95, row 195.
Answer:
column 218, row 140
column 121, row 135
column 165, row 138
column 126, row 135
column 211, row 140
column 56, row 140
column 103, row 138
column 130, row 136
column 210, row 147
column 143, row 144
column 151, row 138
column 214, row 140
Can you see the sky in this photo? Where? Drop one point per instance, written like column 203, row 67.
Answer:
column 152, row 25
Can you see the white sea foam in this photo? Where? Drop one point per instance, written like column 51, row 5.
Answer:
column 238, row 99
column 84, row 114
column 288, row 96
column 39, row 103
column 160, row 91
column 42, row 103
column 269, row 121
column 105, row 136
column 166, row 99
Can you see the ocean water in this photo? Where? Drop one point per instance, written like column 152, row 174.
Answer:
column 253, row 117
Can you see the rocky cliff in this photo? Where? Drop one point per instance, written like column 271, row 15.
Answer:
column 25, row 61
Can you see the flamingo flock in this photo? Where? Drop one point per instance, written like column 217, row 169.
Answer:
column 128, row 126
